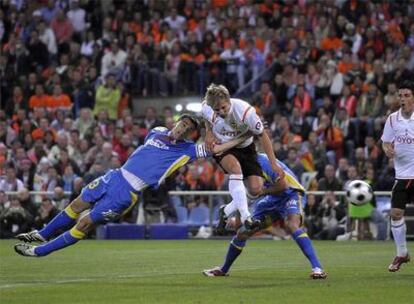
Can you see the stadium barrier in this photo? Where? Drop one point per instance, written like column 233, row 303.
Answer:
column 211, row 194
column 180, row 230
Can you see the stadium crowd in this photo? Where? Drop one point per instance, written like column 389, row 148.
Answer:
column 323, row 74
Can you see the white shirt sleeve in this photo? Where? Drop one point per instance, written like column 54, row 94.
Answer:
column 388, row 133
column 253, row 121
column 207, row 113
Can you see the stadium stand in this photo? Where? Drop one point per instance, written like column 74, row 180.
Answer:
column 323, row 74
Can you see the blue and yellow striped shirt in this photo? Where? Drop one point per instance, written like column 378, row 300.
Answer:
column 270, row 176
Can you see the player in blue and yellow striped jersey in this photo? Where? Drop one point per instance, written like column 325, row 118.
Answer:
column 113, row 194
column 280, row 199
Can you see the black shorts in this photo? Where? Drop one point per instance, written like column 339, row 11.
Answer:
column 247, row 158
column 402, row 193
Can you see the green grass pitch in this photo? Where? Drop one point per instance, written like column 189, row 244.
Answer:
column 170, row 272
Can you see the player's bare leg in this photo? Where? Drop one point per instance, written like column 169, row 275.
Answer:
column 254, row 185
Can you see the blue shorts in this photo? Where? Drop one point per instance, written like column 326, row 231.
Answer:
column 276, row 207
column 111, row 196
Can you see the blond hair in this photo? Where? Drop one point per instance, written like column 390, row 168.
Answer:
column 216, row 93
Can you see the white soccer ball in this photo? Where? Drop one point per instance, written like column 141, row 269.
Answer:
column 359, row 192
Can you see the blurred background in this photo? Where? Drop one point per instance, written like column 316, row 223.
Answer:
column 83, row 81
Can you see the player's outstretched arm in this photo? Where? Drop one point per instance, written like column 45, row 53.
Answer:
column 220, row 148
column 278, row 187
column 267, row 147
column 209, row 138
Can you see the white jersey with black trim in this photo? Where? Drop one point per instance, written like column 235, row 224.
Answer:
column 400, row 131
column 242, row 118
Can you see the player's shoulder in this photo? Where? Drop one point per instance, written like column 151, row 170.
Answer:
column 394, row 117
column 205, row 106
column 241, row 108
column 159, row 129
column 239, row 103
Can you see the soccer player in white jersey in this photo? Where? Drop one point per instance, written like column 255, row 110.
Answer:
column 398, row 143
column 228, row 118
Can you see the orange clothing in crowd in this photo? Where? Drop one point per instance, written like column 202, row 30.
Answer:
column 199, row 58
column 355, row 89
column 39, row 133
column 344, row 67
column 266, row 9
column 219, row 3
column 305, row 104
column 123, row 104
column 192, row 24
column 328, row 44
column 61, row 101
column 38, row 101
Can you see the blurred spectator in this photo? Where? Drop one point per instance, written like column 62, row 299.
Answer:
column 26, row 173
column 151, row 120
column 10, row 182
column 333, row 137
column 47, row 37
column 7, row 134
column 342, row 170
column 333, row 216
column 104, row 157
column 59, row 198
column 113, row 61
column 107, row 97
column 47, row 212
column 27, row 203
column 234, row 59
column 84, row 122
column 14, row 220
column 63, row 29
column 329, row 182
column 77, row 17
column 265, row 101
column 299, row 124
column 294, row 163
column 39, row 54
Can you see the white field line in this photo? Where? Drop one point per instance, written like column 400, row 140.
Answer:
column 109, row 277
column 142, row 275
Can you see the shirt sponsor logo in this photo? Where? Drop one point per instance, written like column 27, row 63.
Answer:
column 292, row 204
column 405, row 140
column 228, row 133
column 157, row 143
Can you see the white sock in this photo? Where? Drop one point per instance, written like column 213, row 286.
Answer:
column 238, row 194
column 399, row 231
column 230, row 208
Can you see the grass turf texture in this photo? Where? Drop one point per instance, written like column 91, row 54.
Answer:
column 170, row 272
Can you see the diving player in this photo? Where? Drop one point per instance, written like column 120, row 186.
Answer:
column 287, row 204
column 228, row 118
column 115, row 193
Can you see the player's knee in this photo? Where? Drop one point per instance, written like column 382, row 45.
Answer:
column 85, row 224
column 255, row 190
column 78, row 205
column 396, row 214
column 292, row 225
column 242, row 235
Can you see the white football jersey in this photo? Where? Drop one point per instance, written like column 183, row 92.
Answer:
column 242, row 118
column 400, row 131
